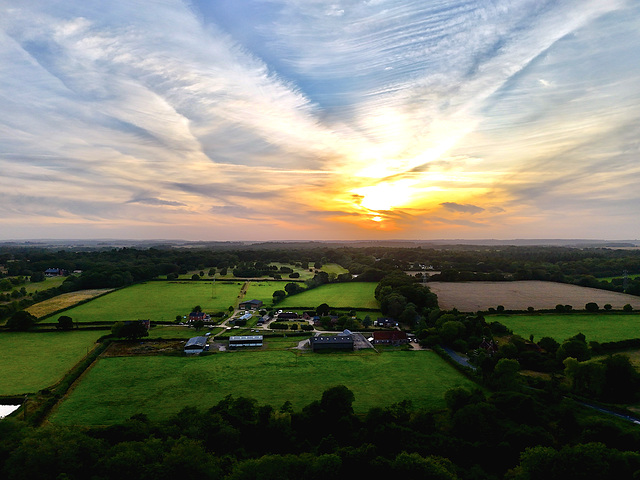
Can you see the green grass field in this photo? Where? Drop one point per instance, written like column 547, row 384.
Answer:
column 48, row 282
column 339, row 295
column 157, row 301
column 598, row 327
column 263, row 291
column 32, row 361
column 116, row 388
column 334, row 268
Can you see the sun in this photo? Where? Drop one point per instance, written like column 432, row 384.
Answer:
column 384, row 196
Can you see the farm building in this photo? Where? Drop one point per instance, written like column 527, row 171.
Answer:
column 337, row 342
column 385, row 322
column 242, row 320
column 196, row 345
column 250, row 305
column 391, row 337
column 245, row 341
column 288, row 316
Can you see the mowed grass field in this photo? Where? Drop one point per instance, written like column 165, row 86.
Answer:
column 263, row 291
column 157, row 301
column 65, row 300
column 340, row 295
column 32, row 361
column 116, row 388
column 474, row 296
column 48, row 282
column 597, row 327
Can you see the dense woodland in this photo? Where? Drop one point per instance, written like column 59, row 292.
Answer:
column 507, row 433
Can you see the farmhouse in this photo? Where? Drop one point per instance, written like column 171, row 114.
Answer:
column 196, row 345
column 250, row 305
column 195, row 316
column 337, row 342
column 391, row 337
column 53, row 272
column 245, row 341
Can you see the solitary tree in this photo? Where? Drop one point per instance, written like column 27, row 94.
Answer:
column 278, row 295
column 323, row 309
column 65, row 322
column 130, row 330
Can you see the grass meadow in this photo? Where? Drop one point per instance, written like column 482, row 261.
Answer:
column 159, row 386
column 157, row 301
column 32, row 361
column 339, row 295
column 597, row 327
column 48, row 282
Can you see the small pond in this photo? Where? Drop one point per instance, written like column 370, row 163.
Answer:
column 7, row 409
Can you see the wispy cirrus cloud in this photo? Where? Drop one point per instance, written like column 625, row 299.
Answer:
column 466, row 208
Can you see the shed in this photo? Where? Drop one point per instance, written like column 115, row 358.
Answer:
column 337, row 342
column 196, row 345
column 250, row 305
column 245, row 341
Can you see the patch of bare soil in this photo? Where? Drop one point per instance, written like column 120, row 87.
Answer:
column 149, row 347
column 474, row 296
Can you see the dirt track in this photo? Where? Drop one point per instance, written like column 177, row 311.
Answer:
column 473, row 296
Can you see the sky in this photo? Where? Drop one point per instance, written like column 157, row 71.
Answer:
column 319, row 119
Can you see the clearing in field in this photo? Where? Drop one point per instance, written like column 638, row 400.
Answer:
column 474, row 296
column 157, row 301
column 65, row 300
column 596, row 327
column 116, row 388
column 32, row 361
column 339, row 295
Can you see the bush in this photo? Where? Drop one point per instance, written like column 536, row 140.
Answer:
column 279, row 326
column 627, row 308
column 591, row 307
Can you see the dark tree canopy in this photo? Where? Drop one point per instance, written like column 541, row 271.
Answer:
column 65, row 322
column 21, row 321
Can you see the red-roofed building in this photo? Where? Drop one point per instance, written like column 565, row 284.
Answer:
column 391, row 337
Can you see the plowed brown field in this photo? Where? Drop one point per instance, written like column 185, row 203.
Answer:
column 473, row 296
